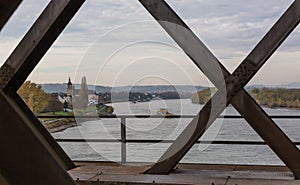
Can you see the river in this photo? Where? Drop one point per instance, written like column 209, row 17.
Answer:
column 159, row 128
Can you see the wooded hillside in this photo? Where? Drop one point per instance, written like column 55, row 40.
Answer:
column 272, row 98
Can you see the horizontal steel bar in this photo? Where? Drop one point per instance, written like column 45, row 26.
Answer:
column 175, row 116
column 89, row 140
column 162, row 141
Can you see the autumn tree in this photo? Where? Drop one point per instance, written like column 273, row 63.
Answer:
column 54, row 105
column 268, row 97
column 201, row 97
column 33, row 95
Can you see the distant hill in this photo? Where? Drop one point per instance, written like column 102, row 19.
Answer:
column 160, row 88
column 51, row 88
column 294, row 85
column 268, row 97
column 250, row 87
column 155, row 88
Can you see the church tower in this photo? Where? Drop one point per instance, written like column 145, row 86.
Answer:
column 70, row 88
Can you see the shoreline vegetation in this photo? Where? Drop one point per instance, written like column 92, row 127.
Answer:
column 60, row 124
column 266, row 97
column 56, row 106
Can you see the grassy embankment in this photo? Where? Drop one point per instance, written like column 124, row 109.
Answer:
column 60, row 124
column 57, row 124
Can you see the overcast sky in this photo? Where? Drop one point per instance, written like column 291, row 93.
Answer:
column 118, row 42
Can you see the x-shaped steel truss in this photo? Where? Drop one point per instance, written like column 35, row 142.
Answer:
column 48, row 159
column 29, row 154
column 231, row 87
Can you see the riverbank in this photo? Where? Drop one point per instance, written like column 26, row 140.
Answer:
column 267, row 97
column 59, row 125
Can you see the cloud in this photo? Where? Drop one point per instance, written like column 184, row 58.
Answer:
column 229, row 28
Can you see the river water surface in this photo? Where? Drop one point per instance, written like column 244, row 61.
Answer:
column 169, row 129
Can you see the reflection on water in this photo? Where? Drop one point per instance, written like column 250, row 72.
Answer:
column 160, row 129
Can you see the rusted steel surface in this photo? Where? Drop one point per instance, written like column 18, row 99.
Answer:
column 25, row 156
column 6, row 73
column 205, row 60
column 7, row 8
column 3, row 180
column 29, row 154
column 28, row 53
column 31, row 49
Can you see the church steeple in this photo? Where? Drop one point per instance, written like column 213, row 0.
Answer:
column 69, row 83
column 70, row 88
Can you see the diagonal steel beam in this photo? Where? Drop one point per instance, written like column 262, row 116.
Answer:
column 25, row 157
column 7, row 8
column 38, row 40
column 200, row 55
column 32, row 48
column 28, row 147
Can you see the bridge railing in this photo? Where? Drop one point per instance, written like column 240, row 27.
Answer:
column 123, row 140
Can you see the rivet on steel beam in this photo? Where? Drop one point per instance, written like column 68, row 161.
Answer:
column 6, row 74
